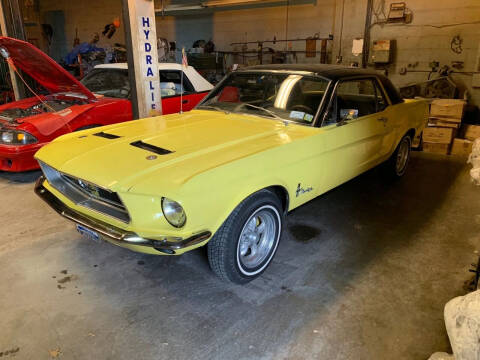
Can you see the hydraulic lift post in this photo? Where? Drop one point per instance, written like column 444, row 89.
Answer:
column 142, row 57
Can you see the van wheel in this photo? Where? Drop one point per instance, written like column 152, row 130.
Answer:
column 396, row 166
column 245, row 244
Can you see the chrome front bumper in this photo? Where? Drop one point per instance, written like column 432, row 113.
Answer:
column 166, row 244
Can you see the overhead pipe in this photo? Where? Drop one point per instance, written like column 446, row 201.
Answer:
column 211, row 4
column 366, row 34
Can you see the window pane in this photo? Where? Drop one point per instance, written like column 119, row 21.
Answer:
column 108, row 82
column 171, row 83
column 355, row 98
column 289, row 96
column 381, row 102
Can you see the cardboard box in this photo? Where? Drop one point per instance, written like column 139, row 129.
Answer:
column 444, row 122
column 461, row 147
column 439, row 135
column 471, row 132
column 451, row 108
column 436, row 148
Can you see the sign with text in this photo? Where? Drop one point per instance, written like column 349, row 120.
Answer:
column 149, row 63
column 141, row 15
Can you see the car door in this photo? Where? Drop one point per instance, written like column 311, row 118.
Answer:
column 171, row 86
column 387, row 116
column 354, row 128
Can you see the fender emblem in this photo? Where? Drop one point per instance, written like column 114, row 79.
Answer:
column 301, row 191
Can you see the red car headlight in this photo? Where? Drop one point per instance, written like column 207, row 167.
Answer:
column 15, row 137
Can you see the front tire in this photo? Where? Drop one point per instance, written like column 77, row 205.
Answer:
column 246, row 243
column 397, row 164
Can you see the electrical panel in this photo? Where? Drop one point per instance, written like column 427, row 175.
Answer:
column 381, row 52
column 397, row 11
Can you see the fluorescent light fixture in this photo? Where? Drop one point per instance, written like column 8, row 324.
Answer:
column 213, row 3
column 185, row 7
column 210, row 3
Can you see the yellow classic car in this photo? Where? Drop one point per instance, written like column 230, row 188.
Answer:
column 266, row 140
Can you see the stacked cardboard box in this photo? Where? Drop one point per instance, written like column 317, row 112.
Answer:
column 443, row 124
column 471, row 132
column 463, row 145
column 437, row 139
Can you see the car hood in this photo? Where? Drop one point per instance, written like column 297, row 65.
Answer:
column 42, row 68
column 175, row 147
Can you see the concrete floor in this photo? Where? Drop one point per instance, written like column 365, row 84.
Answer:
column 363, row 272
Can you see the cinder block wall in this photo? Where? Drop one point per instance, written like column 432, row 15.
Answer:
column 421, row 42
column 253, row 24
column 426, row 39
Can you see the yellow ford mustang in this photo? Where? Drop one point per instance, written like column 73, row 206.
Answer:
column 265, row 141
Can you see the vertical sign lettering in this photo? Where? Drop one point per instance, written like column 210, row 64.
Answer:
column 149, row 65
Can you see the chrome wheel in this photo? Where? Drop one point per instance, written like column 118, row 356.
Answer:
column 403, row 155
column 258, row 240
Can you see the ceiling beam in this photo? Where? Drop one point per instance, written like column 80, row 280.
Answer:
column 218, row 5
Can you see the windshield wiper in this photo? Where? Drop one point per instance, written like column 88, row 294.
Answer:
column 269, row 112
column 213, row 108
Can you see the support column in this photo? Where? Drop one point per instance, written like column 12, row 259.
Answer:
column 12, row 26
column 142, row 57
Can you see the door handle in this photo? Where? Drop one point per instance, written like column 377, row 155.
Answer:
column 382, row 119
column 185, row 102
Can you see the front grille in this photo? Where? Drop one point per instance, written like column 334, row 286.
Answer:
column 86, row 194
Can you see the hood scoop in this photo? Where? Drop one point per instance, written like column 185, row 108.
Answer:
column 155, row 149
column 106, row 135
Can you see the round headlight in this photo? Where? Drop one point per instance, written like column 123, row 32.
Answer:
column 173, row 212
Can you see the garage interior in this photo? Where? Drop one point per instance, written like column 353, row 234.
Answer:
column 363, row 271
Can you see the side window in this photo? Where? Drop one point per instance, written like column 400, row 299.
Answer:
column 171, row 83
column 108, row 82
column 353, row 99
column 312, row 92
column 381, row 101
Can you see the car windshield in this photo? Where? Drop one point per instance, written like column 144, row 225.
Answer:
column 285, row 96
column 108, row 82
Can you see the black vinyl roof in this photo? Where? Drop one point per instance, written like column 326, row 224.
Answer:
column 334, row 73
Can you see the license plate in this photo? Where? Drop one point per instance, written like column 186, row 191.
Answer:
column 93, row 235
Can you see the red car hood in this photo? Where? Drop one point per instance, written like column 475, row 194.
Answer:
column 42, row 68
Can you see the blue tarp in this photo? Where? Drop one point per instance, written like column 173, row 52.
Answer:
column 83, row 48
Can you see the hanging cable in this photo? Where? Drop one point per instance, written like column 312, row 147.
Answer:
column 14, row 68
column 286, row 26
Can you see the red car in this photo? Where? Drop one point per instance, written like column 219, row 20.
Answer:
column 101, row 98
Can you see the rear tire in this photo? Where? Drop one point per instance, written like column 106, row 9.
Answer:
column 396, row 166
column 246, row 243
